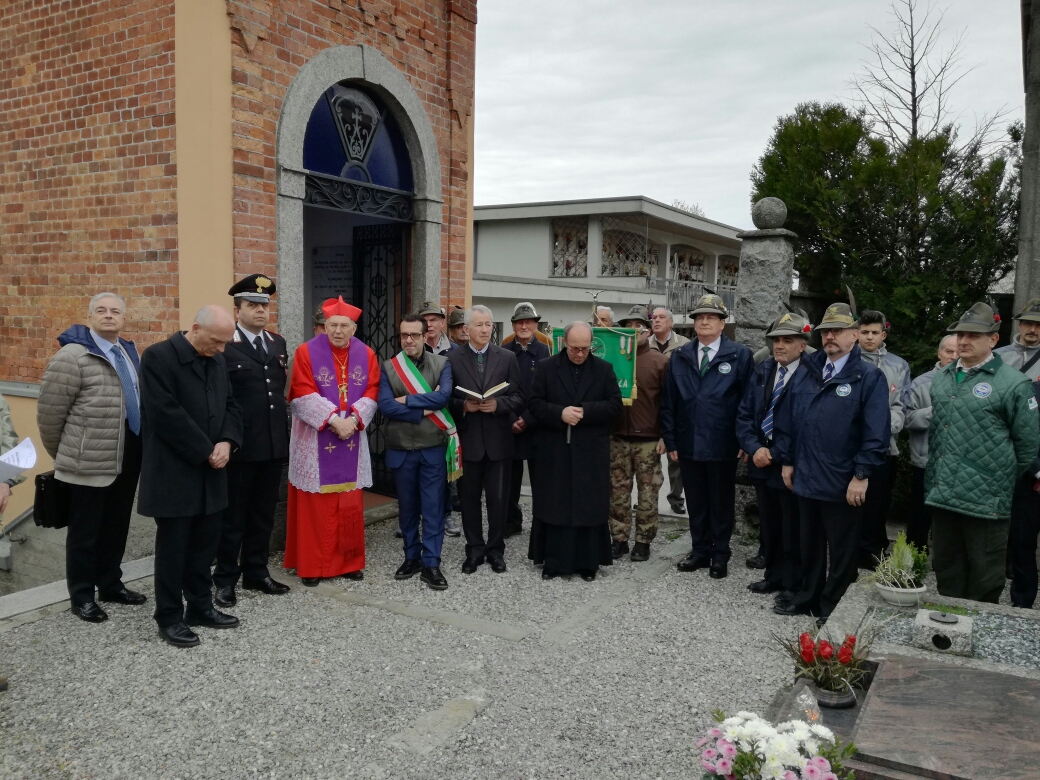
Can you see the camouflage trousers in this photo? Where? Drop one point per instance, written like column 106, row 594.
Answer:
column 632, row 458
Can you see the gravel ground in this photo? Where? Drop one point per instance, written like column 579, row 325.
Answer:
column 614, row 679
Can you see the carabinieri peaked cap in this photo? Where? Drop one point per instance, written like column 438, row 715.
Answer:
column 255, row 287
column 710, row 303
column 790, row 324
column 637, row 313
column 525, row 311
column 980, row 318
column 1030, row 312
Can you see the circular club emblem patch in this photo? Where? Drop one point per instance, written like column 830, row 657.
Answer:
column 843, row 390
column 982, row 390
column 725, row 368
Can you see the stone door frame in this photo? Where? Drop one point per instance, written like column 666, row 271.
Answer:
column 369, row 66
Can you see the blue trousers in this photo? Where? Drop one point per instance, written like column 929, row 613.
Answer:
column 421, row 477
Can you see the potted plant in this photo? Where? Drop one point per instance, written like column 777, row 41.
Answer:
column 899, row 576
column 832, row 673
column 747, row 747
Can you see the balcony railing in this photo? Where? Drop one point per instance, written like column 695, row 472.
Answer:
column 681, row 296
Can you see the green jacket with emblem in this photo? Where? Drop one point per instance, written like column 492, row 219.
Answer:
column 984, row 434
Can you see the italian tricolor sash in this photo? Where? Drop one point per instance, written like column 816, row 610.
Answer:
column 416, row 383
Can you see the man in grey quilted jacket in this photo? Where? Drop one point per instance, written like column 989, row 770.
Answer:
column 873, row 330
column 89, row 416
column 918, row 419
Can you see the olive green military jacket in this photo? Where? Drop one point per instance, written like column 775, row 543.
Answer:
column 985, row 433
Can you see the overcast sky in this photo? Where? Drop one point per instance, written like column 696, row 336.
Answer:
column 678, row 98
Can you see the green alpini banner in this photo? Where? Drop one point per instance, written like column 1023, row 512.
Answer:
column 618, row 347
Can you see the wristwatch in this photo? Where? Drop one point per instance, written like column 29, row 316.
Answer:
column 860, row 475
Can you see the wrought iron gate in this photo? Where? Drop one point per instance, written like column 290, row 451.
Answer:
column 380, row 287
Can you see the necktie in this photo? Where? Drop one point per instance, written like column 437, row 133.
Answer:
column 767, row 423
column 704, row 360
column 133, row 411
column 828, row 372
column 258, row 345
column 480, row 363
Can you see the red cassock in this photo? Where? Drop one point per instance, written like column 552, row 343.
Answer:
column 325, row 532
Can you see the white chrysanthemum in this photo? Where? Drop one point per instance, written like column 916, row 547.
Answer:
column 822, row 732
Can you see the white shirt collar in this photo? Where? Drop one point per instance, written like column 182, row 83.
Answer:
column 791, row 368
column 713, row 349
column 104, row 345
column 479, row 351
column 250, row 336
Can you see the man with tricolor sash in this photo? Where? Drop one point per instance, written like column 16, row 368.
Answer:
column 422, row 447
column 335, row 383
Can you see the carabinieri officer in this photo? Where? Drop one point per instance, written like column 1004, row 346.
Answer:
column 256, row 361
column 830, row 438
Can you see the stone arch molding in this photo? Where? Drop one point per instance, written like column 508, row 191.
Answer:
column 365, row 64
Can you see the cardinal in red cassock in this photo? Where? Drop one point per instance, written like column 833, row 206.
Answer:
column 333, row 396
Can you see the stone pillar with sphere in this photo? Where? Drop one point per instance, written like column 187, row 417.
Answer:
column 766, row 272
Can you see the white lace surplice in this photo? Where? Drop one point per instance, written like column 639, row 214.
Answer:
column 308, row 414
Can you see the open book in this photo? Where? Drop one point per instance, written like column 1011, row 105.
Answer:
column 494, row 390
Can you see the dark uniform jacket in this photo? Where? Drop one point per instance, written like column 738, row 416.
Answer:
column 571, row 481
column 752, row 412
column 186, row 409
column 698, row 413
column 482, row 434
column 829, row 431
column 527, row 360
column 258, row 384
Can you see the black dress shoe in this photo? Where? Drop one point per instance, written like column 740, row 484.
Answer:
column 408, row 569
column 470, row 565
column 679, row 509
column 763, row 586
column 225, row 597
column 310, row 582
column 784, row 595
column 588, row 576
column 549, row 574
column 398, row 534
column 90, row 612
column 512, row 530
column 692, row 562
column 179, row 635
column 640, row 551
column 124, row 596
column 718, row 571
column 211, row 618
column 618, row 549
column 433, row 578
column 498, row 564
column 266, row 585
column 788, row 608
column 357, row 576
column 757, row 562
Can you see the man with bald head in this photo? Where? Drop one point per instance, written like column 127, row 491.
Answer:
column 189, row 425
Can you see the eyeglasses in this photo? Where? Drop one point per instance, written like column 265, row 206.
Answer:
column 578, row 350
column 411, row 336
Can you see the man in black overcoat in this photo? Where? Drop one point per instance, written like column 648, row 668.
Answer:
column 190, row 422
column 256, row 360
column 486, row 435
column 529, row 353
column 574, row 399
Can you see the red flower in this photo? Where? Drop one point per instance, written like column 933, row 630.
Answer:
column 825, row 650
column 845, row 655
column 807, row 329
column 850, row 640
column 888, row 325
column 996, row 318
column 805, row 640
column 807, row 655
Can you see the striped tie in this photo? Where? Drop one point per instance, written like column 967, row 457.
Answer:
column 828, row 372
column 705, row 360
column 133, row 412
column 767, row 423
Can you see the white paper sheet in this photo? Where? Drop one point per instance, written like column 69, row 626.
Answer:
column 15, row 461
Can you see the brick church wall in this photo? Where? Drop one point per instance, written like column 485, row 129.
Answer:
column 432, row 43
column 87, row 170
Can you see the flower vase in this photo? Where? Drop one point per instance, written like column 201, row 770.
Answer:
column 901, row 597
column 834, row 700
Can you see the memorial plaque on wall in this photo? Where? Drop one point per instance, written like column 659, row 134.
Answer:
column 332, row 273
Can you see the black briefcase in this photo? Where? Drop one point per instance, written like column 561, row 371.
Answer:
column 51, row 507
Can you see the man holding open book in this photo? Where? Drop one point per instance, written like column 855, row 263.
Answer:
column 485, row 399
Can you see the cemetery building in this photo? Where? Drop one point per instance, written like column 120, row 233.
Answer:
column 162, row 149
column 634, row 250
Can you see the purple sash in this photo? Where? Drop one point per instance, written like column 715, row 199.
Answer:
column 338, row 459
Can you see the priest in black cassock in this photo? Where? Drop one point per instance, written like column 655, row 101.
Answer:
column 574, row 397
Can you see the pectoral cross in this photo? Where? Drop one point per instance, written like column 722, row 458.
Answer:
column 330, row 447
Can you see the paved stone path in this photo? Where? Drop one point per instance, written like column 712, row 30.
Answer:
column 501, row 675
